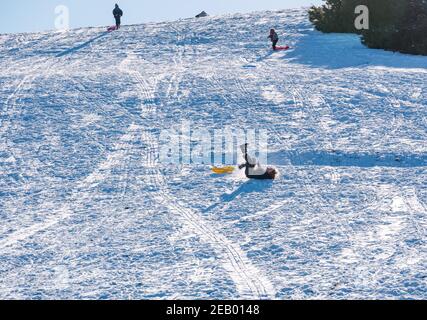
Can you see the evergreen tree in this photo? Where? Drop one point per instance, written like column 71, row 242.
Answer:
column 330, row 17
column 398, row 25
column 384, row 20
column 411, row 36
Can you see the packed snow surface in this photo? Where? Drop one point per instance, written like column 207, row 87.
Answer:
column 89, row 212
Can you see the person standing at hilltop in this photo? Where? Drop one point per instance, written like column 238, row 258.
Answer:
column 117, row 13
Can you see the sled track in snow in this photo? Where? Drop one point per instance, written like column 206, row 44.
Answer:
column 79, row 194
column 365, row 243
column 10, row 107
column 300, row 102
column 330, row 232
column 12, row 101
column 232, row 98
column 177, row 75
column 247, row 278
column 76, row 198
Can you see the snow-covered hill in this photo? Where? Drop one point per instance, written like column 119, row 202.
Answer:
column 87, row 210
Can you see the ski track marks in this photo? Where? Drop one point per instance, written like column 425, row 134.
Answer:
column 65, row 211
column 319, row 232
column 249, row 281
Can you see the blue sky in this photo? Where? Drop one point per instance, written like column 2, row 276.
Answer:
column 39, row 15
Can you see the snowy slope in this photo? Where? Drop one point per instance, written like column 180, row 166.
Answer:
column 88, row 211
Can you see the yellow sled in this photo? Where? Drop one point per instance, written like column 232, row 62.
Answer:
column 223, row 170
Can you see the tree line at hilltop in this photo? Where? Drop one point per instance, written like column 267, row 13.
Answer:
column 396, row 25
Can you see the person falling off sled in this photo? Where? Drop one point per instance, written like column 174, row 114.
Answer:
column 253, row 170
column 274, row 38
column 117, row 13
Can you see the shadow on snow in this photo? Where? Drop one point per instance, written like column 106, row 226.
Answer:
column 343, row 159
column 250, row 186
column 335, row 51
column 81, row 46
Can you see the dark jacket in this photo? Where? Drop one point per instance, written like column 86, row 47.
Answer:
column 274, row 37
column 250, row 163
column 117, row 12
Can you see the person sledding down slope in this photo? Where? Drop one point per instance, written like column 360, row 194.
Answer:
column 274, row 38
column 253, row 170
column 117, row 13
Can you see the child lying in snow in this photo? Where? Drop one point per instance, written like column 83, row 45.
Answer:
column 252, row 169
